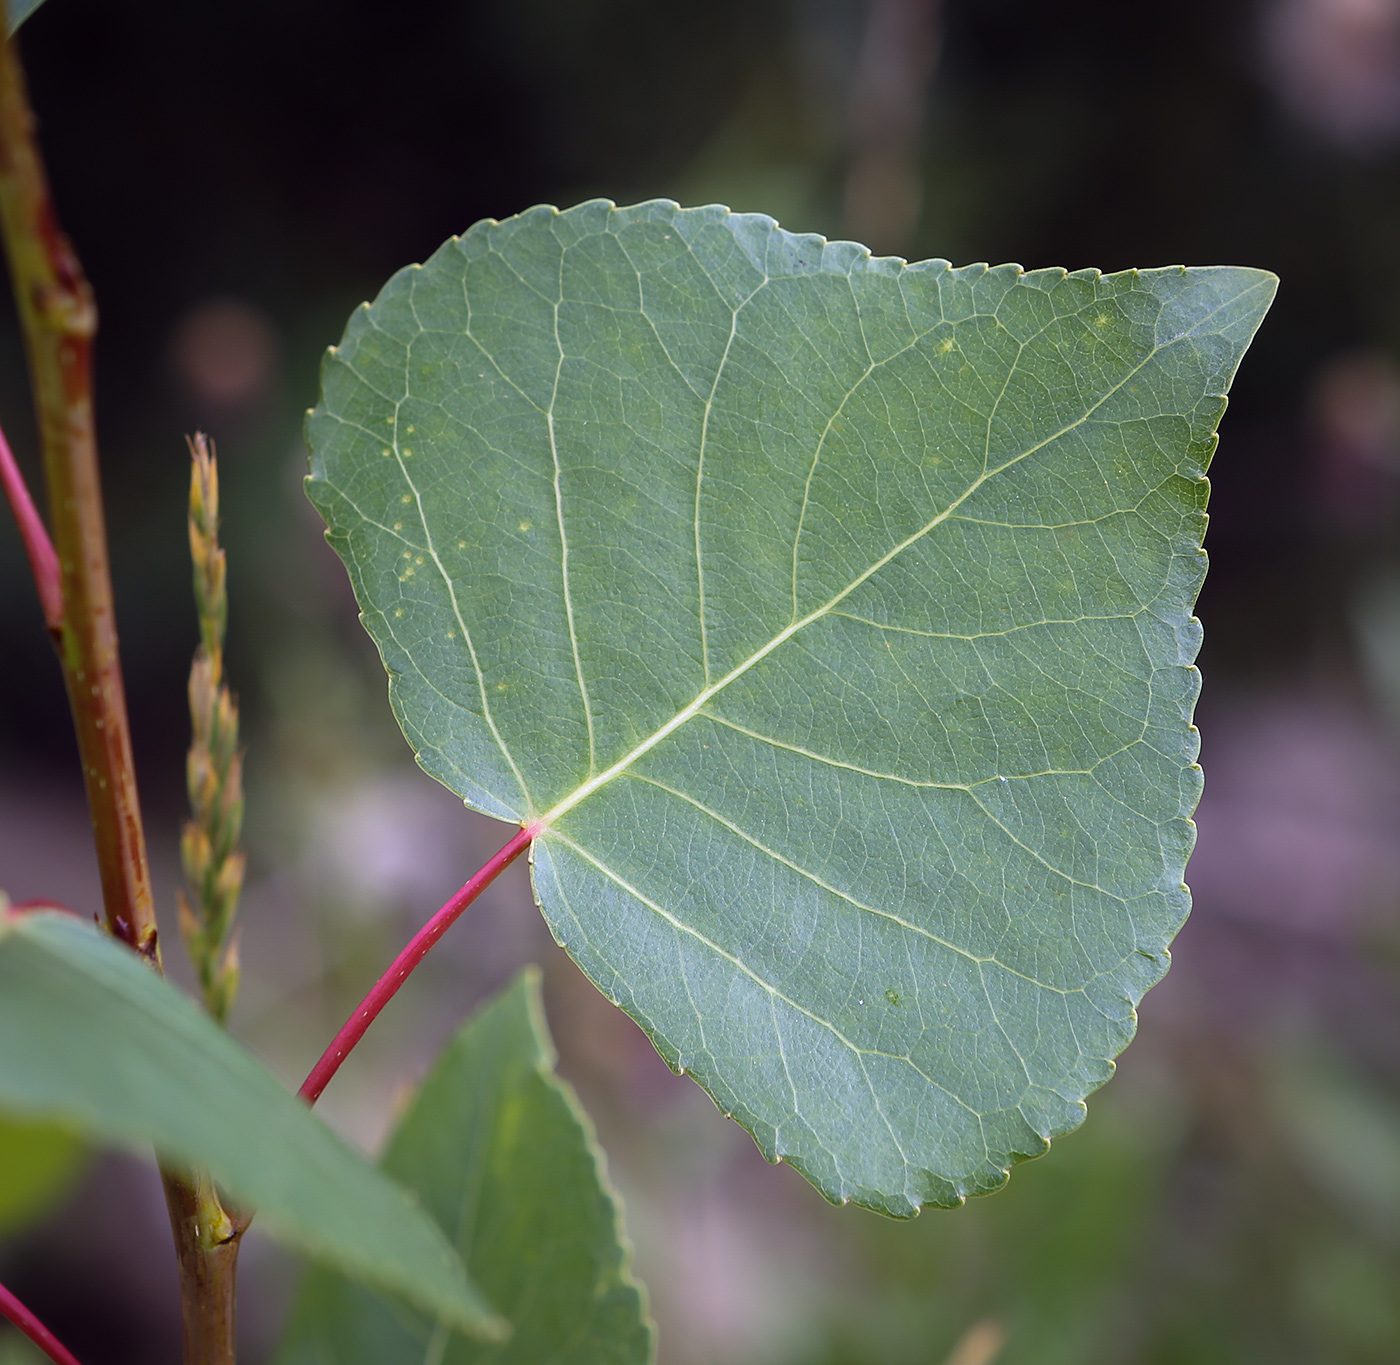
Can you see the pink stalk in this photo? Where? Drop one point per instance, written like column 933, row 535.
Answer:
column 32, row 531
column 28, row 907
column 35, row 1330
column 387, row 986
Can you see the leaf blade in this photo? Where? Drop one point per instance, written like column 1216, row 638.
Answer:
column 683, row 537
column 501, row 1155
column 93, row 1036
column 17, row 11
column 39, row 1162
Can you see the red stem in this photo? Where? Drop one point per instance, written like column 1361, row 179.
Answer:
column 387, row 986
column 35, row 1330
column 43, row 559
column 28, row 907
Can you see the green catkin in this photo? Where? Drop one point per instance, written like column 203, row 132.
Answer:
column 213, row 862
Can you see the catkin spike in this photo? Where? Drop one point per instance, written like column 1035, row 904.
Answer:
column 213, row 863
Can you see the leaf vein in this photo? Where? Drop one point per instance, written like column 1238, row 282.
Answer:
column 431, row 548
column 586, row 789
column 564, row 538
column 812, row 876
column 748, row 971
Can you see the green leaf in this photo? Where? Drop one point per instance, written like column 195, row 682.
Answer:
column 38, row 1164
column 91, row 1036
column 502, row 1156
column 18, row 11
column 18, row 1350
column 830, row 618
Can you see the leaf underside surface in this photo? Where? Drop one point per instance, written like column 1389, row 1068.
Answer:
column 830, row 619
column 91, row 1035
column 17, row 11
column 503, row 1158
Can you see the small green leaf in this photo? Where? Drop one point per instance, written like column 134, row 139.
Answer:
column 91, row 1036
column 829, row 618
column 500, row 1153
column 20, row 10
column 38, row 1162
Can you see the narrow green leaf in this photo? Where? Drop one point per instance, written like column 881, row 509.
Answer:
column 502, row 1156
column 91, row 1036
column 830, row 618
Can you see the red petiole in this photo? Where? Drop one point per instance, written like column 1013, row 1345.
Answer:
column 35, row 1330
column 43, row 559
column 387, row 986
column 28, row 907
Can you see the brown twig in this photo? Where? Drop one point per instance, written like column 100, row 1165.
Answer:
column 59, row 321
column 206, row 1246
column 58, row 317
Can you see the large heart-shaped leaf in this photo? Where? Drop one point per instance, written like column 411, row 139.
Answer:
column 89, row 1034
column 17, row 11
column 830, row 621
column 502, row 1156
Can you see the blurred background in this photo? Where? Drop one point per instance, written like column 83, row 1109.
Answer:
column 237, row 177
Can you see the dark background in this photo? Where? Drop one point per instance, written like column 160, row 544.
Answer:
column 237, row 177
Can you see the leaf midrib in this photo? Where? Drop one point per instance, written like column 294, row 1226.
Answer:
column 586, row 789
column 541, row 823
